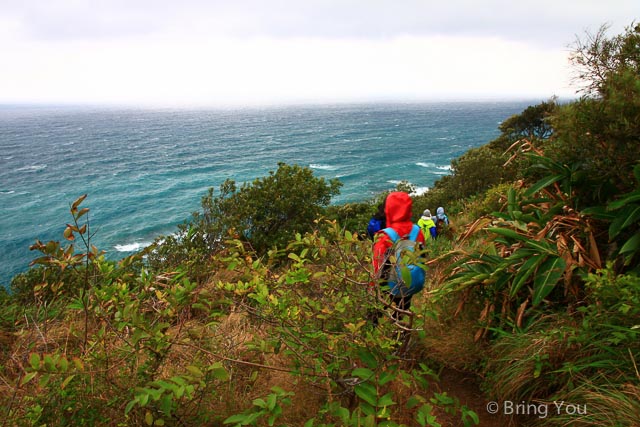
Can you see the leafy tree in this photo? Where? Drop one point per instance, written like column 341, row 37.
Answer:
column 270, row 211
column 597, row 57
column 600, row 133
column 533, row 124
column 265, row 213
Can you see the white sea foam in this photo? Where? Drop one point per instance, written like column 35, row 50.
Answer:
column 419, row 191
column 441, row 170
column 7, row 192
column 32, row 168
column 426, row 165
column 323, row 167
column 131, row 247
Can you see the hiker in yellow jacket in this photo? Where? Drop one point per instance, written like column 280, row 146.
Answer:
column 426, row 223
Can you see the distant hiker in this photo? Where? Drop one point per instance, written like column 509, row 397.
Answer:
column 427, row 225
column 377, row 221
column 442, row 222
column 400, row 235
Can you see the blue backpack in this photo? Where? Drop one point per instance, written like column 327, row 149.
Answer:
column 374, row 226
column 407, row 272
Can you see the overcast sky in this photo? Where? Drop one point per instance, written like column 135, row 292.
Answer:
column 244, row 52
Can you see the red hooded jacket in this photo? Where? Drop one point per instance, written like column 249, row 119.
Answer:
column 398, row 216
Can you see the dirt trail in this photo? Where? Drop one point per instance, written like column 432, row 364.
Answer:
column 465, row 387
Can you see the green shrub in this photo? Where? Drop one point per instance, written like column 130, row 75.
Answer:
column 265, row 214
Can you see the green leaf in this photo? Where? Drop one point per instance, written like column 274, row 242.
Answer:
column 631, row 198
column 164, row 384
column 260, row 403
column 543, row 183
column 44, row 380
column 166, row 404
column 367, row 392
column 130, row 406
column 406, row 275
column 34, row 361
column 547, row 277
column 414, row 401
column 272, row 400
column 66, row 381
column 386, row 377
column 527, row 269
column 143, row 399
column 28, row 378
column 506, row 232
column 368, row 358
column 369, row 411
column 386, row 400
column 342, row 413
column 625, row 219
column 195, row 371
column 63, row 364
column 238, row 419
column 363, row 373
column 156, row 394
column 442, row 399
column 468, row 413
column 631, row 245
column 599, row 212
column 49, row 363
column 531, row 243
column 294, row 257
column 220, row 373
column 178, row 391
column 424, row 416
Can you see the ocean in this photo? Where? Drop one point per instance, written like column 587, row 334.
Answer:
column 145, row 170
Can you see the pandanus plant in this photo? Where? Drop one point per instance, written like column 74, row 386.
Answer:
column 531, row 253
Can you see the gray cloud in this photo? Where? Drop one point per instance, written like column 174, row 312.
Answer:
column 545, row 22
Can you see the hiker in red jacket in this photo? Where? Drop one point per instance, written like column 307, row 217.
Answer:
column 398, row 215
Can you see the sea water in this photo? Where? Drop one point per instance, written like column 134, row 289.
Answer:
column 145, row 170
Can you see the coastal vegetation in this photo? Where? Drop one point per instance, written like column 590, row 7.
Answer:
column 256, row 311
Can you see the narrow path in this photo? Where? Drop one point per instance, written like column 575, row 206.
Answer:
column 465, row 387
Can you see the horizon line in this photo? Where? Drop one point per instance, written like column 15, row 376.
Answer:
column 275, row 104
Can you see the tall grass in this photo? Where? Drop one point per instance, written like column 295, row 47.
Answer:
column 524, row 366
column 597, row 403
